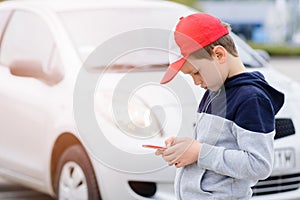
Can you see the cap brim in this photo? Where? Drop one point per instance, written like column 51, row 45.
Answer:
column 172, row 70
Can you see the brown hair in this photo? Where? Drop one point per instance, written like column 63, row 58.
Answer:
column 225, row 41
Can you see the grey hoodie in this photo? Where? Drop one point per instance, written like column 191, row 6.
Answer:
column 236, row 128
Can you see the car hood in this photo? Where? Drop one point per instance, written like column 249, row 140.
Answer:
column 281, row 82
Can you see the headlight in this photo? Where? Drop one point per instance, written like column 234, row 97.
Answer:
column 137, row 119
column 139, row 113
column 150, row 115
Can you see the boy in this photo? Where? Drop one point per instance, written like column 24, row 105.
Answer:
column 233, row 145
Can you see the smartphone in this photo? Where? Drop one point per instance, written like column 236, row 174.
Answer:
column 153, row 146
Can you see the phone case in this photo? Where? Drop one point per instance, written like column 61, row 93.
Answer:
column 153, row 146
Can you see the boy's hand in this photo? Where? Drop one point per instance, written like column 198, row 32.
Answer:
column 168, row 143
column 183, row 151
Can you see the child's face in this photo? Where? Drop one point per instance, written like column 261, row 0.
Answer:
column 206, row 73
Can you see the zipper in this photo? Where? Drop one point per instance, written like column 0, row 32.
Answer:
column 205, row 110
column 195, row 137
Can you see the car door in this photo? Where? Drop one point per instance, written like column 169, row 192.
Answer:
column 28, row 82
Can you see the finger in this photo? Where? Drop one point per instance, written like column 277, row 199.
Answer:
column 175, row 159
column 169, row 158
column 172, row 149
column 178, row 165
column 169, row 141
column 173, row 162
column 179, row 140
column 159, row 152
column 169, row 151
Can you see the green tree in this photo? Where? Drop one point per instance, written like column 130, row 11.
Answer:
column 190, row 3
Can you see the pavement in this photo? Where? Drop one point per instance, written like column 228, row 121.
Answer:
column 11, row 191
column 287, row 65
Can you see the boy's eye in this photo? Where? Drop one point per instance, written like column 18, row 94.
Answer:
column 196, row 73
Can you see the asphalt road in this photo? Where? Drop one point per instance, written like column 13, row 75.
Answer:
column 289, row 66
column 9, row 191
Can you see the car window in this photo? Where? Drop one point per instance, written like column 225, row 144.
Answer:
column 4, row 16
column 90, row 28
column 248, row 55
column 27, row 38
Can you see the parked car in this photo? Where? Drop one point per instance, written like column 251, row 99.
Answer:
column 44, row 143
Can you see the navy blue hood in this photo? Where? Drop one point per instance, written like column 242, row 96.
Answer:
column 257, row 79
column 247, row 100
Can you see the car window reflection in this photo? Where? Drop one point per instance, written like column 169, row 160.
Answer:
column 121, row 68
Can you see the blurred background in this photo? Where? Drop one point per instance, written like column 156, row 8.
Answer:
column 271, row 25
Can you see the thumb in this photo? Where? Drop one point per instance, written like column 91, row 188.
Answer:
column 170, row 141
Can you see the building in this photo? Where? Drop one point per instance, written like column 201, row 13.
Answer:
column 258, row 21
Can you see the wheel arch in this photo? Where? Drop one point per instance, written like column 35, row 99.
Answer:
column 63, row 142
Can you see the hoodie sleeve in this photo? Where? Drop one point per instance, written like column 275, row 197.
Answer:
column 253, row 129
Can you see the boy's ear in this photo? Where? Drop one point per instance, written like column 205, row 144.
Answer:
column 220, row 54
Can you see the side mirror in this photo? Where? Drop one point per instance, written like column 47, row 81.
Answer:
column 34, row 69
column 27, row 68
column 264, row 54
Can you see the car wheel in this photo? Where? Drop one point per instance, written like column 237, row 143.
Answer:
column 75, row 177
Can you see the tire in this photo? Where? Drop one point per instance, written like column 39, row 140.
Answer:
column 75, row 177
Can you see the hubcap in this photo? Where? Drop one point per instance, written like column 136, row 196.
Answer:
column 72, row 183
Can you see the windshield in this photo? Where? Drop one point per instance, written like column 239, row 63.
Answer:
column 89, row 29
column 248, row 55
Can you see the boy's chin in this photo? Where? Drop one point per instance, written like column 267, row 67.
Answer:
column 214, row 89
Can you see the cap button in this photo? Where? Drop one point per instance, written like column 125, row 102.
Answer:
column 181, row 18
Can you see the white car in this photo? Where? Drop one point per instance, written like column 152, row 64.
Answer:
column 72, row 128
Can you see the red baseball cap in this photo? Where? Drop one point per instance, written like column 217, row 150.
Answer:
column 193, row 33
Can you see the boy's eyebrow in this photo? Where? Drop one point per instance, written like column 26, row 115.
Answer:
column 190, row 71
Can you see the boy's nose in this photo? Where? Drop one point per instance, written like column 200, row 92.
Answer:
column 197, row 81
